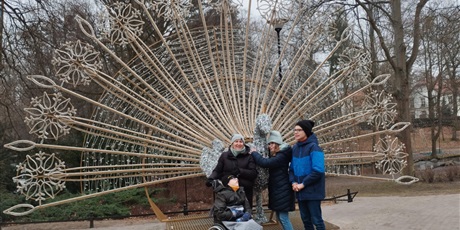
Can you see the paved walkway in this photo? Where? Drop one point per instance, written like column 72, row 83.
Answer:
column 146, row 226
column 380, row 213
column 440, row 212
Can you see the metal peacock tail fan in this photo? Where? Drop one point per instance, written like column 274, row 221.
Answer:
column 168, row 112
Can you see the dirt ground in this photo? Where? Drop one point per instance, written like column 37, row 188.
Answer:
column 82, row 224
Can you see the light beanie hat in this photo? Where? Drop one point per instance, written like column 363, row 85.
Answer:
column 237, row 136
column 275, row 137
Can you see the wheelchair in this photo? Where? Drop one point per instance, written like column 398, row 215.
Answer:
column 217, row 227
column 246, row 225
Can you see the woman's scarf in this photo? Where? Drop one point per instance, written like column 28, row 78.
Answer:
column 237, row 152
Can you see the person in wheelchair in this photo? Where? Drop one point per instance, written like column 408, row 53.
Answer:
column 231, row 207
column 231, row 203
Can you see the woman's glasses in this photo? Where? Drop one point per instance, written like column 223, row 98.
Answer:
column 298, row 130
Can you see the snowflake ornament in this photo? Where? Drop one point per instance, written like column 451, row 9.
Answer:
column 274, row 10
column 394, row 159
column 171, row 10
column 37, row 176
column 125, row 22
column 220, row 5
column 44, row 116
column 75, row 62
column 353, row 56
column 382, row 107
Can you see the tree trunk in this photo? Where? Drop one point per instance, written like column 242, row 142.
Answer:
column 2, row 5
column 452, row 70
column 401, row 80
column 374, row 58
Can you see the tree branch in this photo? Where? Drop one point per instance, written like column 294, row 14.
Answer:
column 416, row 34
column 373, row 24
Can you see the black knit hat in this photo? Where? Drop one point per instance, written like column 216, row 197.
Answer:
column 226, row 178
column 307, row 126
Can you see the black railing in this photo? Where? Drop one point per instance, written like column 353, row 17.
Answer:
column 91, row 219
column 350, row 196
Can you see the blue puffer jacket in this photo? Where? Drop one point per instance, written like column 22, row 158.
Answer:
column 307, row 167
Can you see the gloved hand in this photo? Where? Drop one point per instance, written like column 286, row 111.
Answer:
column 237, row 212
column 209, row 182
column 215, row 183
column 246, row 216
column 236, row 172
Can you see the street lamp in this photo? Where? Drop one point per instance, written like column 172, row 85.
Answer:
column 278, row 25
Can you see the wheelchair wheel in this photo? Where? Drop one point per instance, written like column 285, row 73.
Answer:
column 217, row 227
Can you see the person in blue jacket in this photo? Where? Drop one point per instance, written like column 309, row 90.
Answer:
column 281, row 198
column 307, row 175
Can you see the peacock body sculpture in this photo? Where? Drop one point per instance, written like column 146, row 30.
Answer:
column 169, row 112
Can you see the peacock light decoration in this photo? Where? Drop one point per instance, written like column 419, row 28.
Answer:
column 168, row 113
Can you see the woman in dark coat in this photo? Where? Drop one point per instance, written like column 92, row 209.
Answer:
column 281, row 197
column 237, row 161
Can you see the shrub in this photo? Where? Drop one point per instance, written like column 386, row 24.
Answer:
column 427, row 175
column 8, row 200
column 451, row 172
column 110, row 205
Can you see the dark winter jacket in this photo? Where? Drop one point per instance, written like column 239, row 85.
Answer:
column 243, row 165
column 307, row 168
column 225, row 197
column 280, row 194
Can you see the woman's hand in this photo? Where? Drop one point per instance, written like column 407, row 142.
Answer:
column 297, row 187
column 294, row 186
column 300, row 187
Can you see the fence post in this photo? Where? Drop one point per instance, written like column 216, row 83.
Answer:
column 349, row 196
column 185, row 209
column 91, row 220
column 186, row 200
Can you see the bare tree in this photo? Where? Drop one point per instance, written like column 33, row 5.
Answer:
column 396, row 53
column 33, row 31
column 432, row 61
column 450, row 17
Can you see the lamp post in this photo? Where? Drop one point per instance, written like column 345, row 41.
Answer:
column 278, row 24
